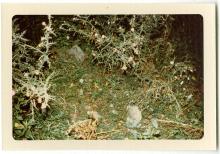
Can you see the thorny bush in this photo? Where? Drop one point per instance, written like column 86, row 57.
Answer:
column 30, row 82
column 123, row 41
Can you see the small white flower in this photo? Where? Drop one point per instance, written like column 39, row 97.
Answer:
column 130, row 59
column 40, row 45
column 96, row 35
column 181, row 83
column 171, row 62
column 124, row 68
column 136, row 51
column 49, row 28
column 93, row 54
column 42, row 38
column 67, row 37
column 81, row 81
column 103, row 36
column 134, row 44
column 26, row 74
column 39, row 100
column 189, row 97
column 44, row 106
column 37, row 72
column 132, row 29
column 44, row 23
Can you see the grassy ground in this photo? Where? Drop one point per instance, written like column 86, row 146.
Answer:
column 85, row 87
column 165, row 59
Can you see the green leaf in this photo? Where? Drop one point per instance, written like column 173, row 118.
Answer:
column 18, row 126
column 19, row 117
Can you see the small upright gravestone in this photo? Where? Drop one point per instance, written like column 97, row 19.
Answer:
column 77, row 52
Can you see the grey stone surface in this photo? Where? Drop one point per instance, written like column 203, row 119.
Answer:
column 134, row 116
column 77, row 52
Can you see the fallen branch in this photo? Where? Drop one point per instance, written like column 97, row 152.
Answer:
column 179, row 123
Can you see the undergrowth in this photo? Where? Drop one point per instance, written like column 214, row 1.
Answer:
column 130, row 59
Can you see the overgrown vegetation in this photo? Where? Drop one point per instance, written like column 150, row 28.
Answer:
column 129, row 60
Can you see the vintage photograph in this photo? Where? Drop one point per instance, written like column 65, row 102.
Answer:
column 107, row 77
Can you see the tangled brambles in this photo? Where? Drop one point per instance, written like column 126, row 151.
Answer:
column 29, row 80
column 123, row 42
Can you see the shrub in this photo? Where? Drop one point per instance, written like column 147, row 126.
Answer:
column 123, row 41
column 30, row 84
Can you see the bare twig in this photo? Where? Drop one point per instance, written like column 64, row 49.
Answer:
column 179, row 123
